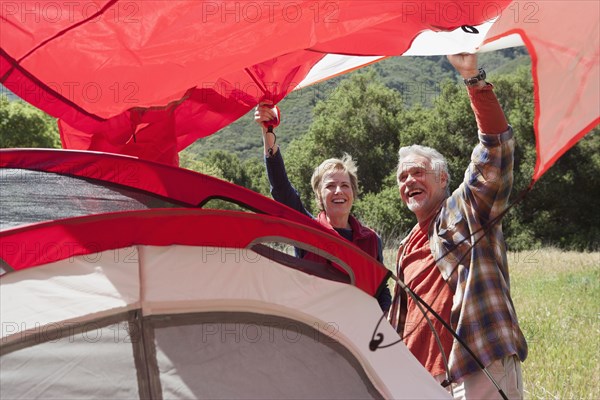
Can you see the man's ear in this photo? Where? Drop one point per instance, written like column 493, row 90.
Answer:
column 444, row 179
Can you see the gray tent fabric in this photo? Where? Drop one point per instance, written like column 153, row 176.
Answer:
column 202, row 355
column 180, row 322
column 91, row 364
column 252, row 356
column 34, row 196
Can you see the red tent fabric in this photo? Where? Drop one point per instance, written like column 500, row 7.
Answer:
column 56, row 238
column 566, row 71
column 149, row 78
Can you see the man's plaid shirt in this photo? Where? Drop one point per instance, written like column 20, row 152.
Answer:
column 471, row 256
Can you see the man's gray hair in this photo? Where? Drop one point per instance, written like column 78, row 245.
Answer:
column 438, row 162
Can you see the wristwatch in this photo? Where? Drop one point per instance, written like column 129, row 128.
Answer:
column 473, row 81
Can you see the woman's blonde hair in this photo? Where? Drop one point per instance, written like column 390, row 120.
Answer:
column 346, row 164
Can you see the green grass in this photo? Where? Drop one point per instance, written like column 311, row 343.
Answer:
column 557, row 297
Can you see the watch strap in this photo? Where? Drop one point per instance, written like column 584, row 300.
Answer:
column 474, row 80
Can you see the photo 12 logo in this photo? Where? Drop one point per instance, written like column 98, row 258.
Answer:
column 26, row 12
column 77, row 92
column 446, row 11
column 269, row 11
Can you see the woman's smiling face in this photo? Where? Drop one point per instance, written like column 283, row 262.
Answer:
column 336, row 195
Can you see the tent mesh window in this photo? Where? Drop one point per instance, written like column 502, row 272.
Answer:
column 282, row 254
column 226, row 355
column 215, row 355
column 52, row 361
column 36, row 196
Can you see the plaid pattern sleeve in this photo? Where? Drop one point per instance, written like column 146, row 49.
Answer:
column 471, row 255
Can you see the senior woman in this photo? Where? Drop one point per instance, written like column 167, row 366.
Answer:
column 335, row 184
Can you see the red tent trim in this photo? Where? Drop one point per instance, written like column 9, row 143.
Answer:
column 36, row 244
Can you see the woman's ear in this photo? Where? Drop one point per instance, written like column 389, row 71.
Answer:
column 319, row 202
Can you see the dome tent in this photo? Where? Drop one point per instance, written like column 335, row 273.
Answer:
column 105, row 295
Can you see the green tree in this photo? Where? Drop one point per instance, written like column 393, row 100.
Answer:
column 515, row 94
column 188, row 161
column 226, row 166
column 559, row 208
column 235, row 172
column 450, row 127
column 359, row 116
column 551, row 213
column 255, row 169
column 362, row 118
column 301, row 158
column 230, row 166
column 22, row 125
column 385, row 213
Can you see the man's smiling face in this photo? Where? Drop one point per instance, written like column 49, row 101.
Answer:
column 422, row 188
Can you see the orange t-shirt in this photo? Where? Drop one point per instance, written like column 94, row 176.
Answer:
column 423, row 277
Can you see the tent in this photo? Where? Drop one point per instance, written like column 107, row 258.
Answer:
column 118, row 284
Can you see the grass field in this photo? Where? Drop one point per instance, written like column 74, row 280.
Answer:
column 557, row 297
